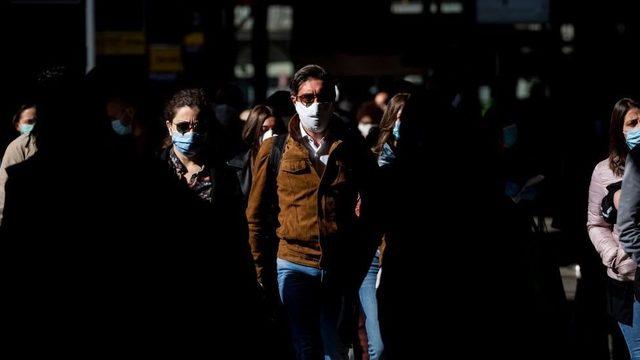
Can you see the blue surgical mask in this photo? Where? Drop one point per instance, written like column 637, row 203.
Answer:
column 633, row 138
column 120, row 128
column 189, row 143
column 396, row 130
column 387, row 156
column 26, row 128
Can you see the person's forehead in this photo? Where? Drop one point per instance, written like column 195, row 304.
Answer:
column 269, row 120
column 633, row 113
column 310, row 86
column 186, row 114
column 29, row 111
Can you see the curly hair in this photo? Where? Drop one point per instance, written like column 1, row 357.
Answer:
column 193, row 98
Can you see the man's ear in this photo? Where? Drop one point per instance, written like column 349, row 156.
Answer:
column 168, row 126
column 293, row 99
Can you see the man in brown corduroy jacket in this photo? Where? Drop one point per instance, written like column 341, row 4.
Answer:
column 321, row 249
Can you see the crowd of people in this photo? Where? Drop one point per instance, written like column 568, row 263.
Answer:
column 294, row 229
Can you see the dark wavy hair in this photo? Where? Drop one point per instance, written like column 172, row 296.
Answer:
column 389, row 119
column 252, row 131
column 618, row 148
column 193, row 98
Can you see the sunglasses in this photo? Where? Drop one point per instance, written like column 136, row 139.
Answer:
column 186, row 126
column 308, row 99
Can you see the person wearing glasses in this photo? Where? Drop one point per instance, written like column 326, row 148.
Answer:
column 306, row 239
column 201, row 254
column 188, row 154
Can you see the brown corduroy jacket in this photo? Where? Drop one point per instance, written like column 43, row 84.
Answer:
column 316, row 221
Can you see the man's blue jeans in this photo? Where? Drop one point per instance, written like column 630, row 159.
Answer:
column 314, row 312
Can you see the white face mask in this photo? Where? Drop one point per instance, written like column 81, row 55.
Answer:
column 315, row 118
column 267, row 134
column 364, row 129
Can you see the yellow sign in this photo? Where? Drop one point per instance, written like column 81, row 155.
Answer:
column 165, row 59
column 120, row 43
column 194, row 40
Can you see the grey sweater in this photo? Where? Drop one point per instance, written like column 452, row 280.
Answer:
column 629, row 208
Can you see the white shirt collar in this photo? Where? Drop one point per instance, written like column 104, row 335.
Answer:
column 310, row 140
column 320, row 151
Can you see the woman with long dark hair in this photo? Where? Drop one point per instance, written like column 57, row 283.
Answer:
column 261, row 124
column 604, row 194
column 390, row 129
column 385, row 149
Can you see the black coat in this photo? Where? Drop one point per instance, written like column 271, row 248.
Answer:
column 242, row 165
column 116, row 256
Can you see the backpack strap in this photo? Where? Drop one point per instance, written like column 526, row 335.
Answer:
column 276, row 155
column 275, row 158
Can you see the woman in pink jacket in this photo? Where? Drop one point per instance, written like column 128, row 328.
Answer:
column 603, row 201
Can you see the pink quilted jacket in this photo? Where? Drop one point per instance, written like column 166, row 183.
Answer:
column 603, row 236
